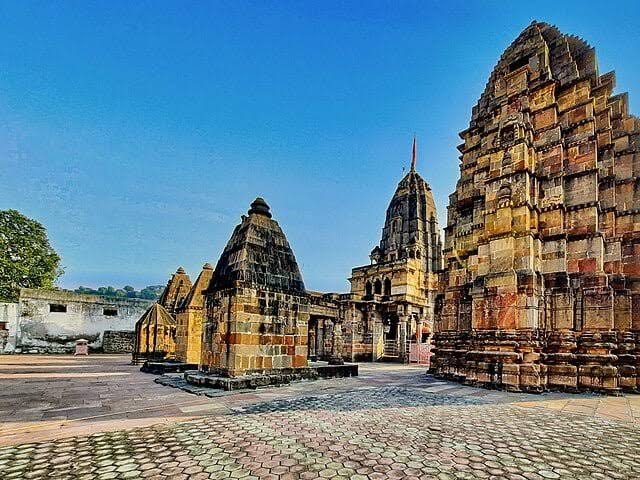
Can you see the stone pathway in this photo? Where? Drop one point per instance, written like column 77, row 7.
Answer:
column 391, row 422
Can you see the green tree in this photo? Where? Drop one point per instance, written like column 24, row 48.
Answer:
column 152, row 292
column 27, row 260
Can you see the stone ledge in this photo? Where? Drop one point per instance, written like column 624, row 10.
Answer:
column 160, row 368
column 270, row 378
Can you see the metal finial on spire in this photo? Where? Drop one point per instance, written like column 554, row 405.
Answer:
column 413, row 155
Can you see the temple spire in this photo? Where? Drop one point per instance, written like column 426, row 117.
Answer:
column 413, row 155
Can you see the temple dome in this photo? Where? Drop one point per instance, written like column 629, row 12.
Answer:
column 176, row 290
column 411, row 226
column 258, row 254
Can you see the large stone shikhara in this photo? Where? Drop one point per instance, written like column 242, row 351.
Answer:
column 542, row 245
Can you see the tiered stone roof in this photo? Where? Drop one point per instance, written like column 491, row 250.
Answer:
column 258, row 254
column 175, row 292
column 195, row 298
column 155, row 315
column 411, row 224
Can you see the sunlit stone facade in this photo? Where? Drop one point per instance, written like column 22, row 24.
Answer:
column 542, row 249
column 257, row 310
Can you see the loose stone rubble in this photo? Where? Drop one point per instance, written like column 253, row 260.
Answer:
column 542, row 244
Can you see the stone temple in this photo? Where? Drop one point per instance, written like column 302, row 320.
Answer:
column 190, row 318
column 392, row 301
column 535, row 288
column 155, row 331
column 542, row 243
column 257, row 310
column 252, row 315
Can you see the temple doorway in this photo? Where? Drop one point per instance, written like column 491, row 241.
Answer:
column 316, row 338
column 391, row 336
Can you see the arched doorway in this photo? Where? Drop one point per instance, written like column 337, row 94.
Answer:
column 377, row 287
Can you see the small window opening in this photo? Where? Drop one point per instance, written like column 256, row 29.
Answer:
column 57, row 307
column 387, row 286
column 110, row 312
column 367, row 289
column 521, row 62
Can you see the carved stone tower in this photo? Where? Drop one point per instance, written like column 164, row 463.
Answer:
column 395, row 295
column 176, row 290
column 542, row 240
column 189, row 319
column 257, row 311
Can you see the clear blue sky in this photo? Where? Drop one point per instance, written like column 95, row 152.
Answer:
column 139, row 132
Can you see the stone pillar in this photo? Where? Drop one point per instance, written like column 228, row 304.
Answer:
column 403, row 352
column 377, row 348
column 354, row 323
column 336, row 345
column 320, row 338
column 313, row 355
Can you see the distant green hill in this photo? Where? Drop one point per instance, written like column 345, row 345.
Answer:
column 152, row 292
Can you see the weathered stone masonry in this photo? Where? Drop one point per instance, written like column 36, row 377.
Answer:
column 542, row 244
column 50, row 321
column 392, row 300
column 257, row 310
column 118, row 341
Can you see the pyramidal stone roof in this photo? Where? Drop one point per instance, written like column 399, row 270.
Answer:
column 177, row 289
column 570, row 58
column 156, row 314
column 258, row 255
column 195, row 298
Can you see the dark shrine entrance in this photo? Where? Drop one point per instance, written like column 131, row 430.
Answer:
column 391, row 335
column 318, row 334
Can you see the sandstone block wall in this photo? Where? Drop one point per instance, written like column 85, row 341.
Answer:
column 541, row 284
column 249, row 331
column 257, row 309
column 118, row 341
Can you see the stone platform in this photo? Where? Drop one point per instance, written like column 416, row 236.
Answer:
column 160, row 368
column 273, row 378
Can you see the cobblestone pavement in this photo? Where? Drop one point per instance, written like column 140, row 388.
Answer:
column 393, row 422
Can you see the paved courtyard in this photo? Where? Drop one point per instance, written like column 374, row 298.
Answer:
column 98, row 417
